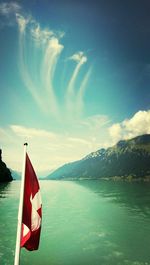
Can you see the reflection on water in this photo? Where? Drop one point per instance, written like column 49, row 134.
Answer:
column 9, row 194
column 3, row 189
column 133, row 195
column 84, row 222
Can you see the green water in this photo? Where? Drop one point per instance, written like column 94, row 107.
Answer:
column 84, row 222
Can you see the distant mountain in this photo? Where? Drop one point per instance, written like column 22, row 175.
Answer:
column 127, row 159
column 16, row 175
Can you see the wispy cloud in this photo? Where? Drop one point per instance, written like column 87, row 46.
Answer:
column 94, row 130
column 78, row 140
column 9, row 8
column 8, row 13
column 22, row 22
column 38, row 72
column 47, row 44
column 51, row 56
column 26, row 76
column 81, row 92
column 139, row 124
column 39, row 35
column 80, row 59
column 28, row 133
column 96, row 122
column 48, row 149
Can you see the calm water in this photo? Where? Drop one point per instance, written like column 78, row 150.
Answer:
column 84, row 222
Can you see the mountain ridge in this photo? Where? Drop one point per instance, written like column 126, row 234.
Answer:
column 128, row 158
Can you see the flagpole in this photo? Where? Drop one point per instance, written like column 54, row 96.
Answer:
column 20, row 210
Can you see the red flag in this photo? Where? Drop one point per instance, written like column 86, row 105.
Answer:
column 32, row 209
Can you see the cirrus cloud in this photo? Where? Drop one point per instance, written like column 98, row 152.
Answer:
column 38, row 73
column 8, row 13
column 48, row 149
column 79, row 57
column 9, row 8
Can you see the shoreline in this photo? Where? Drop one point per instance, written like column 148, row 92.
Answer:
column 129, row 178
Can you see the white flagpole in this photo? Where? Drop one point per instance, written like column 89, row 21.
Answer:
column 20, row 210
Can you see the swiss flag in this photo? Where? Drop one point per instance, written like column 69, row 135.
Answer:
column 32, row 209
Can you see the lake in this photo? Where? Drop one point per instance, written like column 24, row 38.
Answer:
column 86, row 222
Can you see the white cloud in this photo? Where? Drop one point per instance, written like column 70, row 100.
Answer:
column 38, row 72
column 81, row 92
column 48, row 150
column 78, row 140
column 27, row 75
column 55, row 45
column 70, row 97
column 95, row 122
column 31, row 132
column 79, row 57
column 139, row 124
column 8, row 13
column 52, row 52
column 22, row 22
column 115, row 132
column 93, row 130
column 40, row 35
column 9, row 8
column 39, row 80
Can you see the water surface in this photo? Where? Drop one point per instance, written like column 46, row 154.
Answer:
column 84, row 222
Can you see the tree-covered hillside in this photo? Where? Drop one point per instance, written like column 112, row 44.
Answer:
column 5, row 174
column 126, row 158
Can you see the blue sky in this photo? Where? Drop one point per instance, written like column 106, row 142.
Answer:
column 75, row 77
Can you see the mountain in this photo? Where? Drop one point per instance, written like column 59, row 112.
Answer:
column 16, row 175
column 5, row 174
column 127, row 159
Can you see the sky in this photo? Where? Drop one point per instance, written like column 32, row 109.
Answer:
column 75, row 77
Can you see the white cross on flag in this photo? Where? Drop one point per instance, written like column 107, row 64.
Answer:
column 32, row 209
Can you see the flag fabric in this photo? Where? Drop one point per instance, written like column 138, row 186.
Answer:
column 32, row 209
